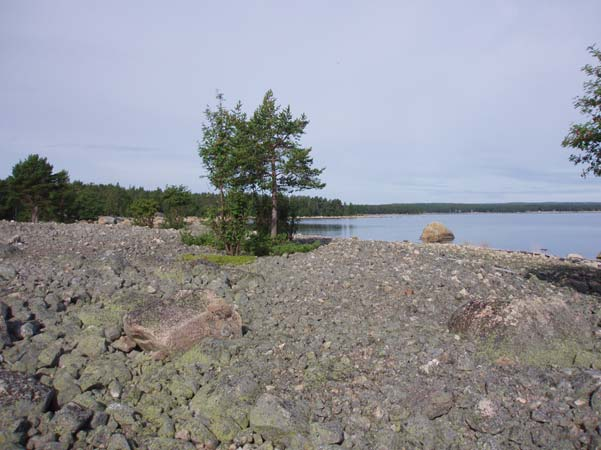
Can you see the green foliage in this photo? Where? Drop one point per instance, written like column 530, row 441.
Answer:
column 7, row 200
column 176, row 202
column 263, row 245
column 287, row 219
column 230, row 225
column 205, row 239
column 280, row 163
column 223, row 148
column 585, row 138
column 258, row 244
column 33, row 185
column 143, row 210
column 230, row 260
column 261, row 154
column 293, row 247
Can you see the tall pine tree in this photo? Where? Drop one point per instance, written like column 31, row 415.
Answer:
column 282, row 165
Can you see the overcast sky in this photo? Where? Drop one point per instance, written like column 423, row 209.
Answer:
column 422, row 101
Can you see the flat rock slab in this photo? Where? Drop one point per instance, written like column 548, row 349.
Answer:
column 175, row 324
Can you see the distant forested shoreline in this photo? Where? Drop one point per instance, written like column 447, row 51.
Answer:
column 511, row 207
column 86, row 201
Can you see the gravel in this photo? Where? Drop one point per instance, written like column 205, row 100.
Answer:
column 358, row 344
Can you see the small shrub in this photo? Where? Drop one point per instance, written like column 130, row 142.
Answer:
column 257, row 244
column 176, row 201
column 230, row 225
column 143, row 210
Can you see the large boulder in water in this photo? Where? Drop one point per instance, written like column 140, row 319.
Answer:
column 534, row 331
column 173, row 324
column 436, row 232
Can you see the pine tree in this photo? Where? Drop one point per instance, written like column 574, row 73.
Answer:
column 282, row 165
column 33, row 183
column 586, row 137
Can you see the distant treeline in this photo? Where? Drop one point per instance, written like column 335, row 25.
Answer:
column 423, row 208
column 86, row 201
column 74, row 201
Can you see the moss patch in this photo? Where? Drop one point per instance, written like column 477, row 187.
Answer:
column 222, row 260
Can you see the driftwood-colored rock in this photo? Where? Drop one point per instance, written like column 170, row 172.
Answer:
column 107, row 220
column 168, row 325
column 436, row 232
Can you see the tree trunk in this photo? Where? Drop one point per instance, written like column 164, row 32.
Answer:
column 34, row 213
column 274, row 201
column 221, row 203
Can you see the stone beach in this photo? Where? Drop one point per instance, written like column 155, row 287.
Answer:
column 356, row 345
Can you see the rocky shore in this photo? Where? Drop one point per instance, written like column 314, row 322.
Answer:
column 356, row 345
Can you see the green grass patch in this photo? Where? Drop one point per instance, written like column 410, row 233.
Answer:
column 222, row 260
column 294, row 247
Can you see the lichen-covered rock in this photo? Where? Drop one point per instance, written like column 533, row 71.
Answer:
column 167, row 444
column 436, row 232
column 326, row 433
column 70, row 419
column 279, row 420
column 178, row 323
column 100, row 373
column 91, row 345
column 67, row 387
column 226, row 405
column 118, row 442
column 122, row 413
column 50, row 355
column 535, row 330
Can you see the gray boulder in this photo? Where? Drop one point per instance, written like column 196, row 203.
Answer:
column 7, row 272
column 279, row 420
column 70, row 419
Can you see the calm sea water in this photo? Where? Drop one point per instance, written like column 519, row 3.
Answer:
column 556, row 234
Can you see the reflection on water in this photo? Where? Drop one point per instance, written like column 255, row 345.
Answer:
column 328, row 229
column 557, row 234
